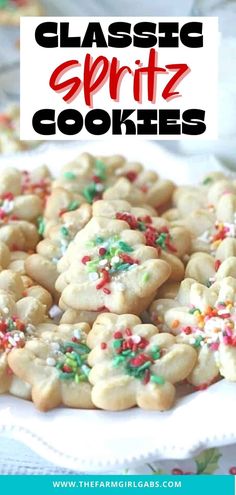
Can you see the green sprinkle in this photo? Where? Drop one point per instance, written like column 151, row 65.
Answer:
column 76, row 346
column 157, row 379
column 70, row 175
column 145, row 277
column 73, row 205
column 117, row 360
column 99, row 240
column 207, row 180
column 100, row 169
column 82, row 378
column 197, row 342
column 144, row 366
column 64, row 231
column 77, row 379
column 66, row 376
column 123, row 266
column 90, row 192
column 127, row 352
column 142, row 226
column 156, row 355
column 125, row 247
column 117, row 343
column 161, row 240
column 192, row 310
column 41, row 225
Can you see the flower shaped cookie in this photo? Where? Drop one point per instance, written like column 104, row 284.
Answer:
column 114, row 178
column 132, row 364
column 109, row 267
column 42, row 267
column 55, row 366
column 172, row 243
column 216, row 232
column 18, row 322
column 206, row 269
column 37, row 181
column 13, row 277
column 89, row 176
column 145, row 189
column 203, row 196
column 207, row 322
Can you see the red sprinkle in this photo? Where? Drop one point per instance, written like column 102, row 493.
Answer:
column 117, row 335
column 187, row 330
column 85, row 259
column 67, row 369
column 147, row 375
column 131, row 176
column 128, row 332
column 3, row 326
column 127, row 217
column 217, row 265
column 127, row 259
column 8, row 195
column 104, row 280
column 96, row 179
column 102, row 251
column 103, row 345
column 106, row 290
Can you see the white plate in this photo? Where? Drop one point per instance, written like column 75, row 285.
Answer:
column 97, row 440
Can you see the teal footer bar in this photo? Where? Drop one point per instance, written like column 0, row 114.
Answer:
column 118, row 485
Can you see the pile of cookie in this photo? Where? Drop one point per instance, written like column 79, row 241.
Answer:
column 144, row 274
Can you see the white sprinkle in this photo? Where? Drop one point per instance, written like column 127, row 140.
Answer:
column 114, row 260
column 133, row 266
column 103, row 262
column 55, row 346
column 51, row 361
column 5, row 310
column 205, row 236
column 159, row 306
column 77, row 333
column 30, row 328
column 11, row 341
column 136, row 339
column 93, row 276
column 99, row 187
column 8, row 206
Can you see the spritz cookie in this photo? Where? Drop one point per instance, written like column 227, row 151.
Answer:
column 18, row 322
column 108, row 266
column 132, row 364
column 207, row 322
column 55, row 366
